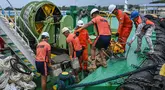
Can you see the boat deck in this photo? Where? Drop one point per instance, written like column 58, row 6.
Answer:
column 116, row 67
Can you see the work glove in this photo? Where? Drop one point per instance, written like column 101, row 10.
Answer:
column 117, row 34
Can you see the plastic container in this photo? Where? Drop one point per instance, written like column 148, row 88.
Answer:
column 56, row 69
column 75, row 63
column 57, row 72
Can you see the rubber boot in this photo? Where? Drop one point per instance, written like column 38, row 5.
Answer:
column 151, row 51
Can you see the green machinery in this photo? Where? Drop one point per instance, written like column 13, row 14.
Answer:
column 45, row 16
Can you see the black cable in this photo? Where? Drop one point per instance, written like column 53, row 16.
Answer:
column 112, row 78
column 16, row 68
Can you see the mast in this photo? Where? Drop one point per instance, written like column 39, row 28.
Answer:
column 126, row 5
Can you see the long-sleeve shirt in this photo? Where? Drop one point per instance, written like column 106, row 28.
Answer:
column 123, row 19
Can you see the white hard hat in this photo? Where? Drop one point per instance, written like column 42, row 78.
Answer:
column 65, row 29
column 111, row 8
column 45, row 34
column 80, row 23
column 94, row 10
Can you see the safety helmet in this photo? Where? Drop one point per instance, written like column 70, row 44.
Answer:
column 134, row 14
column 65, row 29
column 46, row 34
column 111, row 8
column 94, row 10
column 80, row 23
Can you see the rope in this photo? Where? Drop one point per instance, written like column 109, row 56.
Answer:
column 12, row 86
column 26, row 85
column 111, row 78
column 4, row 64
column 4, row 83
column 12, row 77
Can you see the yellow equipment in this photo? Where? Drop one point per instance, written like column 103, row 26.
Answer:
column 116, row 47
column 54, row 87
column 53, row 55
column 162, row 70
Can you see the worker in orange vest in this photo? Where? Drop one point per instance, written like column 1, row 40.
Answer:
column 103, row 36
column 43, row 61
column 84, row 40
column 125, row 24
column 75, row 48
column 144, row 27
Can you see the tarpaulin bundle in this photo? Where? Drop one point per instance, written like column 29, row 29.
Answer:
column 11, row 79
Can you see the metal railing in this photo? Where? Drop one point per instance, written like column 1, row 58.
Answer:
column 16, row 27
column 23, row 22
